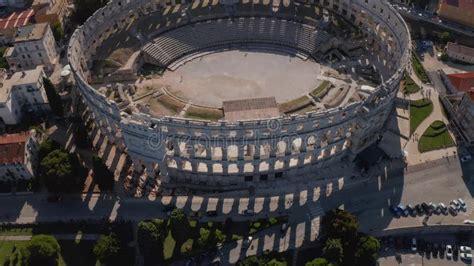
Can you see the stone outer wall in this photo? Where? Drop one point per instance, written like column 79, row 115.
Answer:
column 178, row 152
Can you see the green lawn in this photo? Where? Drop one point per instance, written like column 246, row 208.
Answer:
column 72, row 254
column 435, row 137
column 410, row 85
column 419, row 111
column 168, row 246
column 419, row 69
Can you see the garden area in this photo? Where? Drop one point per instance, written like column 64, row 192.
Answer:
column 435, row 137
column 180, row 237
column 110, row 245
column 419, row 69
column 419, row 111
column 409, row 86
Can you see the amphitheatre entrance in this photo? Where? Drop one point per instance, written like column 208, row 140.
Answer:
column 211, row 79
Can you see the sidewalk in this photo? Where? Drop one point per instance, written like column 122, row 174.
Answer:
column 413, row 155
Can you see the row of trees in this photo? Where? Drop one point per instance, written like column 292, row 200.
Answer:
column 344, row 244
column 45, row 250
column 59, row 170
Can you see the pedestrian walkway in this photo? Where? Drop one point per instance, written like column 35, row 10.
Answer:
column 413, row 156
column 75, row 237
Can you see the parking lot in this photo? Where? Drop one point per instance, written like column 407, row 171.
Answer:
column 430, row 250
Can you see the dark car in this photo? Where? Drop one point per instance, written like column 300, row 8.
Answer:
column 395, row 211
column 419, row 209
column 426, row 208
column 211, row 213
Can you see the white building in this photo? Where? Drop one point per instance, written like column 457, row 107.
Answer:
column 21, row 94
column 34, row 45
column 460, row 53
column 18, row 158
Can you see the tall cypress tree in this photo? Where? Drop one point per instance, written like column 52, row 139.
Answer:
column 53, row 97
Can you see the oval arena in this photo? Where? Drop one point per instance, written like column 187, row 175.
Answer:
column 218, row 96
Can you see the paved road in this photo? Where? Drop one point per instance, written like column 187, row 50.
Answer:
column 439, row 181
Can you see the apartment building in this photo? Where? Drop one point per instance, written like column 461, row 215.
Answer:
column 22, row 94
column 18, row 156
column 50, row 11
column 34, row 45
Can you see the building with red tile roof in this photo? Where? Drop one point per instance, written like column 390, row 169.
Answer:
column 459, row 104
column 10, row 24
column 18, row 155
column 463, row 82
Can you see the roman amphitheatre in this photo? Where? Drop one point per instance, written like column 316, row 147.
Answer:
column 202, row 95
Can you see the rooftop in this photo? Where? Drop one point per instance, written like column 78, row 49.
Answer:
column 16, row 19
column 31, row 32
column 245, row 109
column 12, row 148
column 19, row 78
column 460, row 49
column 463, row 82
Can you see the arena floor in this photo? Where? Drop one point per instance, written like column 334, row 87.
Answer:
column 231, row 75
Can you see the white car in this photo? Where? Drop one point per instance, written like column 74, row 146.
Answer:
column 466, row 256
column 461, row 202
column 413, row 244
column 465, row 249
column 449, row 251
column 468, row 222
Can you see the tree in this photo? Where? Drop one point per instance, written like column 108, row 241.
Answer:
column 46, row 147
column 150, row 237
column 333, row 250
column 53, row 97
column 204, row 239
column 444, row 37
column 83, row 9
column 58, row 31
column 102, row 175
column 219, row 236
column 61, row 172
column 107, row 248
column 41, row 250
column 340, row 224
column 3, row 62
column 319, row 262
column 367, row 250
column 275, row 262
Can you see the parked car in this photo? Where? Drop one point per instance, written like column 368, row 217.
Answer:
column 433, row 208
column 443, row 208
column 453, row 209
column 426, row 208
column 466, row 256
column 455, row 203
column 248, row 212
column 395, row 211
column 466, row 158
column 465, row 249
column 461, row 201
column 419, row 209
column 403, row 210
column 246, row 242
column 449, row 251
column 211, row 213
column 413, row 244
column 411, row 210
column 468, row 222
